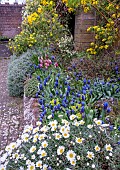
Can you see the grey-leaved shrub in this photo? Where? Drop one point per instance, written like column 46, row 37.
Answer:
column 18, row 70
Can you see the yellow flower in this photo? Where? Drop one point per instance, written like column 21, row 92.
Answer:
column 70, row 9
column 39, row 10
column 106, row 46
column 79, row 115
column 97, row 148
column 108, row 147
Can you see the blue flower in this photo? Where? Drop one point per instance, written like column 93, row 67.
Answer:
column 82, row 109
column 83, row 97
column 38, row 78
column 68, row 88
column 88, row 81
column 43, row 107
column 58, row 74
column 118, row 142
column 40, row 86
column 119, row 128
column 40, row 101
column 111, row 127
column 105, row 105
column 36, row 95
column 84, row 91
column 108, row 110
column 51, row 95
column 57, row 92
column 49, row 168
column 84, row 81
column 41, row 119
column 83, row 103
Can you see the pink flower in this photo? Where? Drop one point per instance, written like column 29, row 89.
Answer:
column 41, row 65
column 56, row 64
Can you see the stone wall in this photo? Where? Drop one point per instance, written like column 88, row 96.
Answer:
column 10, row 19
column 81, row 36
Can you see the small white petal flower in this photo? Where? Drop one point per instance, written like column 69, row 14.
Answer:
column 60, row 150
column 108, row 147
column 39, row 164
column 90, row 155
column 70, row 155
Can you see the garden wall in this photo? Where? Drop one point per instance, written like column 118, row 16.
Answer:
column 10, row 19
column 83, row 38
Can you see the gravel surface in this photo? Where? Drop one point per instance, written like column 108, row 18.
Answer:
column 11, row 108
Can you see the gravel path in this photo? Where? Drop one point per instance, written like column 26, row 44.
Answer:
column 11, row 109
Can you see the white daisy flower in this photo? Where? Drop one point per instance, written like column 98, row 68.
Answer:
column 89, row 126
column 90, row 155
column 70, row 155
column 35, row 130
column 44, row 144
column 98, row 122
column 60, row 150
column 97, row 148
column 25, row 137
column 108, row 147
column 32, row 149
column 42, row 136
column 58, row 136
column 38, row 123
column 73, row 162
column 72, row 117
column 43, row 153
column 31, row 166
column 39, row 164
column 65, row 134
column 81, row 122
column 79, row 140
column 45, row 167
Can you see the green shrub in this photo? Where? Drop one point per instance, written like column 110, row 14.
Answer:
column 18, row 70
column 31, row 87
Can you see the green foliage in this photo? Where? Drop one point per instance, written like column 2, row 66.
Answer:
column 31, row 87
column 18, row 70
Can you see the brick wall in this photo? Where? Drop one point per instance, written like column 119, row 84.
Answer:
column 81, row 36
column 10, row 19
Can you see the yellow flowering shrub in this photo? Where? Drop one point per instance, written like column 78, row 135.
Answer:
column 106, row 32
column 40, row 27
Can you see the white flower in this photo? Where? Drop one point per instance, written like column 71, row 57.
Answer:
column 2, row 167
column 97, row 148
column 110, row 154
column 45, row 167
column 90, row 136
column 44, row 129
column 33, row 157
column 98, row 122
column 60, row 150
column 49, row 117
column 78, row 157
column 58, row 136
column 13, row 145
column 62, row 129
column 39, row 164
column 35, row 130
column 25, row 137
column 39, row 151
column 90, row 155
column 81, row 122
column 108, row 147
column 70, row 155
column 53, row 124
column 107, row 157
column 72, row 117
column 44, row 144
column 42, row 136
column 28, row 162
column 88, row 164
column 43, row 153
column 76, row 123
column 105, row 125
column 89, row 126
column 73, row 162
column 79, row 140
column 31, row 166
column 32, row 149
column 60, row 116
column 93, row 165
column 66, row 134
column 38, row 123
column 3, row 158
